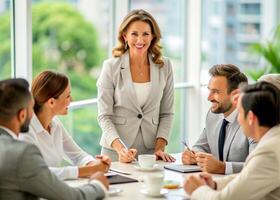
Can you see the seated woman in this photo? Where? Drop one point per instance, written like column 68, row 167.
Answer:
column 52, row 96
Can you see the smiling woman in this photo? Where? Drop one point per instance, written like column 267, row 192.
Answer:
column 52, row 95
column 137, row 68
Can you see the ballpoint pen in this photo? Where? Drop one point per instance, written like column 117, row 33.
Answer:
column 186, row 145
column 126, row 148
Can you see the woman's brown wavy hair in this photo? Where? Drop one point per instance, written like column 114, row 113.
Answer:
column 46, row 85
column 140, row 15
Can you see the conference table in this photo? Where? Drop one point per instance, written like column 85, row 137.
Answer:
column 134, row 190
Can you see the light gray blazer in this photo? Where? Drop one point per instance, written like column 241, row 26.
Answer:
column 25, row 175
column 119, row 113
column 258, row 180
column 236, row 147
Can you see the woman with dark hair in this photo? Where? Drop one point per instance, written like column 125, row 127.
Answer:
column 135, row 93
column 52, row 96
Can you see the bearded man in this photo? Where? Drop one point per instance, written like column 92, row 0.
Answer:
column 222, row 147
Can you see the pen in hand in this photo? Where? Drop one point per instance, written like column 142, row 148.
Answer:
column 186, row 145
column 126, row 148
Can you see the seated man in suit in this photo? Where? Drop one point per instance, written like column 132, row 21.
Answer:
column 259, row 117
column 24, row 173
column 222, row 147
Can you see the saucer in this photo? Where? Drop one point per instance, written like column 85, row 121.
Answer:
column 147, row 169
column 162, row 192
column 113, row 191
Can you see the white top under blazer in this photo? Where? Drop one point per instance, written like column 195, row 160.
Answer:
column 142, row 91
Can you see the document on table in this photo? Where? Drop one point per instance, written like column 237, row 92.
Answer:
column 183, row 168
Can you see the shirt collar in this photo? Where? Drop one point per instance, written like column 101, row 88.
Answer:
column 36, row 124
column 232, row 116
column 11, row 133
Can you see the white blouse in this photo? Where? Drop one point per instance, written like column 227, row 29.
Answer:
column 142, row 91
column 56, row 146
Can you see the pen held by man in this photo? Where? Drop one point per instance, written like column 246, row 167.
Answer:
column 188, row 156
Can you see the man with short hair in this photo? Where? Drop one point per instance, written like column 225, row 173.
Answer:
column 259, row 117
column 24, row 174
column 222, row 147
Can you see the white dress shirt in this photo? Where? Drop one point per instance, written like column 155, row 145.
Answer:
column 231, row 118
column 56, row 146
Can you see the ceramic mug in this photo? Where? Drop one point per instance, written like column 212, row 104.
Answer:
column 147, row 160
column 153, row 183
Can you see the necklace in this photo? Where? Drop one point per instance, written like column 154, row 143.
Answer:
column 141, row 73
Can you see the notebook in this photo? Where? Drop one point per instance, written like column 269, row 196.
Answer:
column 183, row 168
column 117, row 179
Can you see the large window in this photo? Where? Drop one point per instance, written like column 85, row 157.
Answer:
column 75, row 36
column 229, row 28
column 71, row 37
column 5, row 39
column 82, row 123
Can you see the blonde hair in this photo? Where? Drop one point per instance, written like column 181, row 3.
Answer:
column 140, row 15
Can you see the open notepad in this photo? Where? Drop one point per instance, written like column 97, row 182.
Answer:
column 183, row 168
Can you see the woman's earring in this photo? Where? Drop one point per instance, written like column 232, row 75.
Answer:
column 125, row 45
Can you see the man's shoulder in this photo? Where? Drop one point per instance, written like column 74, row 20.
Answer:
column 16, row 147
column 13, row 152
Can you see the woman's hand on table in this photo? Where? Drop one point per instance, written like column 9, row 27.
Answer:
column 161, row 155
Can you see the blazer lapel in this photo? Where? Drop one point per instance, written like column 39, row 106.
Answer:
column 230, row 139
column 154, row 73
column 127, row 79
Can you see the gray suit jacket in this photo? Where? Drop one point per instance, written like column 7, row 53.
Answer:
column 25, row 175
column 236, row 147
column 119, row 113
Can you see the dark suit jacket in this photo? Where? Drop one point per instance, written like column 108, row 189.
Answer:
column 25, row 175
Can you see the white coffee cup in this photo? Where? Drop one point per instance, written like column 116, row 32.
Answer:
column 147, row 160
column 153, row 183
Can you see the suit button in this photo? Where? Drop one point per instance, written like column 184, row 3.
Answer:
column 139, row 116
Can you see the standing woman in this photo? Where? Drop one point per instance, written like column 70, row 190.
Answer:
column 52, row 96
column 135, row 93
